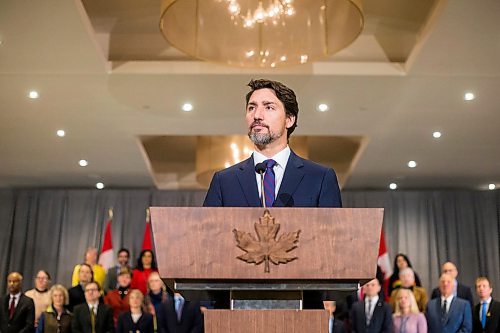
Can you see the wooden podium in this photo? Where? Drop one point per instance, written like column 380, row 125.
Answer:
column 197, row 251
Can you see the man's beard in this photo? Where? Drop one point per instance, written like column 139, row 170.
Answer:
column 263, row 138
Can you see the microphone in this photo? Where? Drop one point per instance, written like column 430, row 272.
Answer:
column 260, row 168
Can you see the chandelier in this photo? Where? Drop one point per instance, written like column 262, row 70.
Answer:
column 274, row 13
column 261, row 33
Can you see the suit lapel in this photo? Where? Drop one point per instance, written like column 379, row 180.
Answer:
column 246, row 178
column 291, row 179
column 453, row 305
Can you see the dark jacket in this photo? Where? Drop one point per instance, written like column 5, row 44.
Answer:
column 143, row 325
column 492, row 318
column 103, row 322
column 381, row 320
column 191, row 318
column 23, row 320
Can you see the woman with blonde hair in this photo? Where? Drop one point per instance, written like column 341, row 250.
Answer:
column 407, row 318
column 135, row 320
column 56, row 319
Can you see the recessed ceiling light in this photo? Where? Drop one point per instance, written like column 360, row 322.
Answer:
column 393, row 186
column 99, row 186
column 492, row 186
column 469, row 96
column 412, row 164
column 60, row 133
column 436, row 135
column 83, row 163
column 187, row 107
column 33, row 94
column 322, row 107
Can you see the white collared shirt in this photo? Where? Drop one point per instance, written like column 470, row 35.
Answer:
column 448, row 302
column 16, row 301
column 373, row 301
column 281, row 159
column 93, row 306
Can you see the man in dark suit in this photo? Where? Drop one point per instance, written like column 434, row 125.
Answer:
column 271, row 117
column 486, row 314
column 448, row 313
column 371, row 315
column 180, row 316
column 289, row 180
column 460, row 290
column 18, row 311
column 92, row 316
column 335, row 325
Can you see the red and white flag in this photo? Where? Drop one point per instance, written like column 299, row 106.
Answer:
column 146, row 241
column 107, row 257
column 384, row 262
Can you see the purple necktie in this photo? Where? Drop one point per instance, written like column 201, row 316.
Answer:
column 269, row 182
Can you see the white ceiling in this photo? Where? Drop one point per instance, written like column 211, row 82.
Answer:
column 104, row 106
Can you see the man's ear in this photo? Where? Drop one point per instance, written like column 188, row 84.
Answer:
column 290, row 120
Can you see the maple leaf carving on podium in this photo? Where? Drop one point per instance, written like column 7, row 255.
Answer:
column 265, row 247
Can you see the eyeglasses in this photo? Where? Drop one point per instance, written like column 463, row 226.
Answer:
column 43, row 278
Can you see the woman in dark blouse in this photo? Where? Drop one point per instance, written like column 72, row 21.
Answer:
column 136, row 320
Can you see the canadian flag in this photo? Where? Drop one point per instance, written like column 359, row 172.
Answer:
column 146, row 241
column 107, row 257
column 384, row 262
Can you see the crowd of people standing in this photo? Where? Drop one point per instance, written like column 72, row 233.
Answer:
column 120, row 300
column 126, row 300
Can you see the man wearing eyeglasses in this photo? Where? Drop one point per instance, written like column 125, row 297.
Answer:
column 40, row 294
column 92, row 316
column 459, row 290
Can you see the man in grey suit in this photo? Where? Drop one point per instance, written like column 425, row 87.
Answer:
column 111, row 281
column 17, row 314
column 448, row 313
column 92, row 316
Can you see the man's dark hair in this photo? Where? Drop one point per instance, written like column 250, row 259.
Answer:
column 284, row 94
column 124, row 250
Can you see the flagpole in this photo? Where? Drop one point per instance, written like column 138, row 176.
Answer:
column 110, row 213
column 148, row 215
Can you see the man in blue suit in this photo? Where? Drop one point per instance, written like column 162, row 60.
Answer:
column 448, row 313
column 271, row 117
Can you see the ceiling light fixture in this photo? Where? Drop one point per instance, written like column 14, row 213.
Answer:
column 33, row 94
column 412, row 164
column 469, row 96
column 393, row 186
column 261, row 33
column 83, row 163
column 492, row 186
column 322, row 107
column 61, row 133
column 99, row 186
column 436, row 135
column 187, row 107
